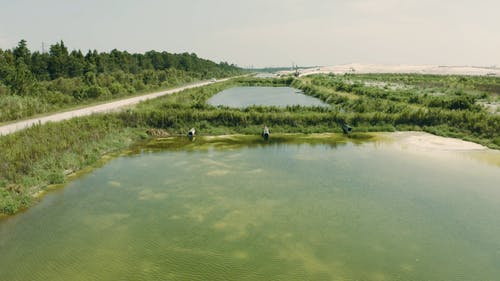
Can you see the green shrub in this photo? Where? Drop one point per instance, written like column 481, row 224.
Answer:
column 56, row 177
column 97, row 92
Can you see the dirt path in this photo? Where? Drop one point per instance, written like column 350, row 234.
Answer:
column 106, row 107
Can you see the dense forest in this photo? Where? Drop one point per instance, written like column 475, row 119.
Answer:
column 38, row 82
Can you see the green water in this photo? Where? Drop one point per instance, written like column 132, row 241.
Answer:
column 222, row 209
column 266, row 96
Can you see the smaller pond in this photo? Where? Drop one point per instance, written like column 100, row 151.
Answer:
column 266, row 96
column 266, row 75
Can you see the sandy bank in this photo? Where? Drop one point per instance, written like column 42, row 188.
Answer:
column 426, row 141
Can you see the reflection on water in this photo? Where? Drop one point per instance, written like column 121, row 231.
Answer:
column 266, row 75
column 265, row 96
column 294, row 208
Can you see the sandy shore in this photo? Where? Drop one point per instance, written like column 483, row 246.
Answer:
column 426, row 141
column 419, row 69
column 436, row 146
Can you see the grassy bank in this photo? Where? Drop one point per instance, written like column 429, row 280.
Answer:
column 43, row 155
column 448, row 108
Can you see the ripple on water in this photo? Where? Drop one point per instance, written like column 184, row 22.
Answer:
column 304, row 213
column 149, row 194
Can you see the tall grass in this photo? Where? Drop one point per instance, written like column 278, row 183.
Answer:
column 41, row 155
column 17, row 107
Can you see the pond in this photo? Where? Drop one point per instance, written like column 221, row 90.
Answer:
column 320, row 207
column 266, row 75
column 240, row 97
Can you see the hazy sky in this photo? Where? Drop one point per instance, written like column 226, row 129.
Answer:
column 267, row 32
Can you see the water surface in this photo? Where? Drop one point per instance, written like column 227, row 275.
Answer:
column 266, row 75
column 266, row 96
column 235, row 208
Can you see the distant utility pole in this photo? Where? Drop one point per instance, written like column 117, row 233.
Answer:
column 43, row 47
column 295, row 69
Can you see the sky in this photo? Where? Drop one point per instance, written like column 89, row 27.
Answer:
column 265, row 33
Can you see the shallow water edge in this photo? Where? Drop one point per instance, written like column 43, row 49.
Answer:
column 419, row 142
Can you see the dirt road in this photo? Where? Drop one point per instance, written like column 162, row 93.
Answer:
column 106, row 107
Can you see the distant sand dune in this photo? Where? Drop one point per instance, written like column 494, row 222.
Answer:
column 419, row 69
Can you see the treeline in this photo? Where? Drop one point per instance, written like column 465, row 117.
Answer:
column 35, row 82
column 60, row 62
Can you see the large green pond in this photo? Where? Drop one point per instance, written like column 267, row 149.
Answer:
column 240, row 97
column 239, row 208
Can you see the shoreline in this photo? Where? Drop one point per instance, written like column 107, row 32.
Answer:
column 406, row 140
column 430, row 142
